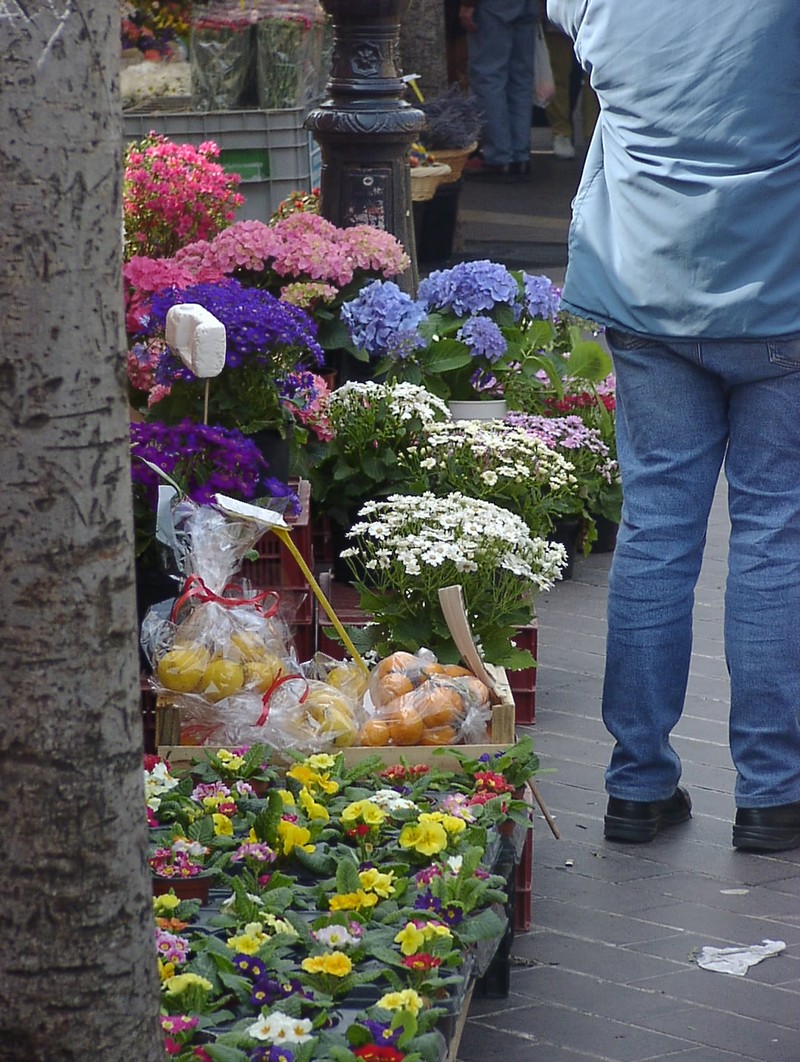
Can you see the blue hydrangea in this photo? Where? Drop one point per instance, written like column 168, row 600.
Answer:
column 470, row 287
column 483, row 337
column 384, row 321
column 542, row 297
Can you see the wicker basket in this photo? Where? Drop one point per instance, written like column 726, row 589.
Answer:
column 426, row 179
column 455, row 158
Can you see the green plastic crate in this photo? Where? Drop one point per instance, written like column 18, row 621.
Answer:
column 268, row 149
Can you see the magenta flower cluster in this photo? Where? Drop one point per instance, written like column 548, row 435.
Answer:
column 174, row 194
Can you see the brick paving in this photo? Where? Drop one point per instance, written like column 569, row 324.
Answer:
column 608, row 971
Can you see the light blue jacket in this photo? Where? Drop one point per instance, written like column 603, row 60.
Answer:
column 687, row 218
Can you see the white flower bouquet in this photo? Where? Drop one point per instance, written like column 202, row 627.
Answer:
column 408, row 547
column 500, row 463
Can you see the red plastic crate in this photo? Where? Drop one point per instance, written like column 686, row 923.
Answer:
column 277, row 569
column 344, row 599
column 523, row 683
column 523, row 887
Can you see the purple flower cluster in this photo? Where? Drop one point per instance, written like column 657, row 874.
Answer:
column 203, row 460
column 542, row 297
column 276, row 1053
column 469, row 288
column 568, row 432
column 257, row 326
column 384, row 321
column 483, row 337
column 266, row 990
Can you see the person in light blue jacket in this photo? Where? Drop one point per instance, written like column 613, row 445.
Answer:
column 685, row 243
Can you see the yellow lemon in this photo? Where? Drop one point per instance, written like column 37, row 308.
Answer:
column 350, row 679
column 221, row 679
column 182, row 668
column 246, row 646
column 339, row 727
column 260, row 674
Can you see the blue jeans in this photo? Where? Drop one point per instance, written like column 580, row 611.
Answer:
column 684, row 407
column 501, row 77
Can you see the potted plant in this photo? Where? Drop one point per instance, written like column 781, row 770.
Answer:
column 410, row 546
column 371, row 424
column 453, row 122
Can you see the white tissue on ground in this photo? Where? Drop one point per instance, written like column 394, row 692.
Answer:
column 738, row 960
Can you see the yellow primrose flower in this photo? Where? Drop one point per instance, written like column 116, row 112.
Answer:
column 287, row 798
column 313, row 809
column 408, row 999
column 436, row 929
column 364, row 810
column 180, row 982
column 250, row 941
column 411, row 939
column 312, row 779
column 227, row 758
column 165, row 970
column 426, row 838
column 278, row 925
column 352, row 901
column 293, row 836
column 374, row 881
column 165, row 904
column 223, row 827
column 321, row 761
column 453, row 824
column 335, row 963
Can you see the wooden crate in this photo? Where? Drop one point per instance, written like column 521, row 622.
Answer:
column 502, row 736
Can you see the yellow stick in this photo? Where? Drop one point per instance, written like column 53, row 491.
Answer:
column 286, row 538
column 417, row 92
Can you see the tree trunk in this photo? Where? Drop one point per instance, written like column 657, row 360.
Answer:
column 422, row 46
column 77, row 956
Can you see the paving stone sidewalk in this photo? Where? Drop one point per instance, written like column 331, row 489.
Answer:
column 608, row 970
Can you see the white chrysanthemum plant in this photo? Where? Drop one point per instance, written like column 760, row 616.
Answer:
column 499, row 463
column 406, row 548
column 372, row 423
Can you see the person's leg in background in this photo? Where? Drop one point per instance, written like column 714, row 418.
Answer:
column 559, row 110
column 489, row 59
column 519, row 90
column 671, row 438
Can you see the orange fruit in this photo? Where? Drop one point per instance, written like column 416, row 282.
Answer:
column 405, row 726
column 456, row 671
column 433, row 669
column 374, row 732
column 395, row 684
column 438, row 735
column 477, row 691
column 399, row 661
column 440, row 705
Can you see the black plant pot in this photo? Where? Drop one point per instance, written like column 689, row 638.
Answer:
column 276, row 451
column 569, row 533
column 437, row 226
column 606, row 540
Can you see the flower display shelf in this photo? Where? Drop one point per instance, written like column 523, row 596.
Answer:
column 426, row 179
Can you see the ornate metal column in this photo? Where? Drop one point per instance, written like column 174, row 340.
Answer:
column 365, row 128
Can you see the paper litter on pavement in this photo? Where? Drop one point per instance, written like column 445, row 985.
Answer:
column 738, row 960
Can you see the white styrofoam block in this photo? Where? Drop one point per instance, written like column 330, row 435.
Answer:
column 198, row 337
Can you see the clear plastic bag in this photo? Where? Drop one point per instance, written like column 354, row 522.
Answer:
column 414, row 700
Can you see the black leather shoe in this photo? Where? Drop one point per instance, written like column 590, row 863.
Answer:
column 638, row 821
column 772, row 829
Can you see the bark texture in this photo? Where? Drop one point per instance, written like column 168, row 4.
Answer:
column 77, row 963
